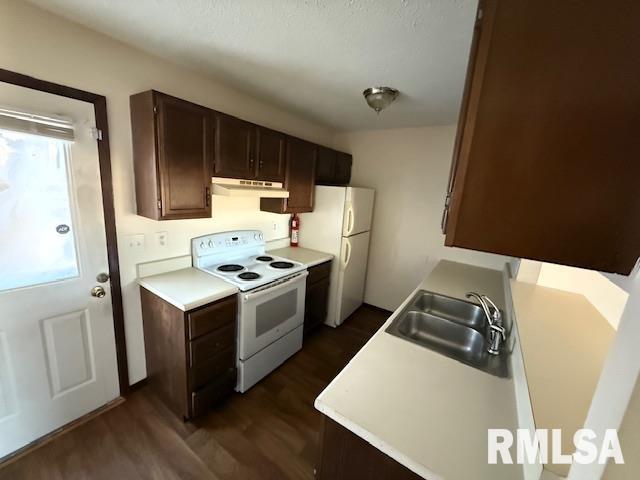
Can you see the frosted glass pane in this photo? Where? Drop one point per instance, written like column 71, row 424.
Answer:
column 37, row 242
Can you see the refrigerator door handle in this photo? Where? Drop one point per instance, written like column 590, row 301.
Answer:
column 347, row 254
column 349, row 220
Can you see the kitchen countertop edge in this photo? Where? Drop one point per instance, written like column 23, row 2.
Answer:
column 219, row 288
column 306, row 256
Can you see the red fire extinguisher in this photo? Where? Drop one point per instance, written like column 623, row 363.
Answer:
column 295, row 229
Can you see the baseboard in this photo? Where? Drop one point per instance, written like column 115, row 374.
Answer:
column 12, row 457
column 380, row 309
column 137, row 386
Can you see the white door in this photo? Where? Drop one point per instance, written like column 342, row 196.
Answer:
column 353, row 274
column 57, row 343
column 358, row 210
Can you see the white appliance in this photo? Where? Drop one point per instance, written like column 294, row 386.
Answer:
column 340, row 224
column 237, row 187
column 270, row 302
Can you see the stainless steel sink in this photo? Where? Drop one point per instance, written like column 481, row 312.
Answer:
column 458, row 311
column 450, row 326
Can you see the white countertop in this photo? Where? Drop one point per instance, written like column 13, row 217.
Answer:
column 427, row 411
column 305, row 256
column 187, row 288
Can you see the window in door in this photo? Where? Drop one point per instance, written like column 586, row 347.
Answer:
column 37, row 241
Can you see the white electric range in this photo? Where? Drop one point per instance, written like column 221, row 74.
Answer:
column 270, row 302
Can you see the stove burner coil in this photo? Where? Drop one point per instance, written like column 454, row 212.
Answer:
column 248, row 276
column 281, row 265
column 230, row 268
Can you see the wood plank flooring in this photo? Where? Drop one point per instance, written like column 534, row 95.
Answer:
column 270, row 432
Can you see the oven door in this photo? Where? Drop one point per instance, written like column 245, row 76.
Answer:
column 269, row 313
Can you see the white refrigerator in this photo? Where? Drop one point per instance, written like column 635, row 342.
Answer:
column 340, row 224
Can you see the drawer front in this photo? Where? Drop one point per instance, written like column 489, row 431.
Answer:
column 205, row 347
column 319, row 272
column 214, row 368
column 206, row 397
column 209, row 318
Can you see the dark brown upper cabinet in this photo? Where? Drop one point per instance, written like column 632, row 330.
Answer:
column 172, row 155
column 342, row 175
column 300, row 179
column 546, row 158
column 270, row 155
column 234, row 150
column 334, row 168
column 326, row 168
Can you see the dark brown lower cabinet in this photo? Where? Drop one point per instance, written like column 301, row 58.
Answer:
column 346, row 456
column 191, row 356
column 317, row 296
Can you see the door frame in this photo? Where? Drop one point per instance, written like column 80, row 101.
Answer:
column 104, row 157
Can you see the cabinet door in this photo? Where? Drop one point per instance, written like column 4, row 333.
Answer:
column 270, row 146
column 233, row 150
column 185, row 153
column 300, row 175
column 342, row 174
column 315, row 307
column 326, row 169
column 300, row 179
column 547, row 164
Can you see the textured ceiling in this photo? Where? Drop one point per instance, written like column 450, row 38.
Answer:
column 311, row 57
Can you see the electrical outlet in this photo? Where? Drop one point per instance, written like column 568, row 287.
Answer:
column 136, row 241
column 162, row 239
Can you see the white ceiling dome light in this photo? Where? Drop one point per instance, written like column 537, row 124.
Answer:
column 380, row 98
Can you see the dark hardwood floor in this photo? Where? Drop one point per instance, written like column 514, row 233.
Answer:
column 270, row 432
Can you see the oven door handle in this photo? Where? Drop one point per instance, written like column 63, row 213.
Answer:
column 271, row 290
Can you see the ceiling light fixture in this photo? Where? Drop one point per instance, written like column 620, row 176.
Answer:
column 380, row 98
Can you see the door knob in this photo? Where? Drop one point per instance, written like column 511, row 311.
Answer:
column 102, row 277
column 98, row 292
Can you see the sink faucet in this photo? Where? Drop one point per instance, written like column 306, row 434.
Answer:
column 496, row 330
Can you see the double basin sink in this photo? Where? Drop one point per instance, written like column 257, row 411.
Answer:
column 452, row 327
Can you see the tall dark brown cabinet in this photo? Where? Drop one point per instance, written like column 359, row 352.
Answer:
column 173, row 156
column 546, row 158
column 300, row 179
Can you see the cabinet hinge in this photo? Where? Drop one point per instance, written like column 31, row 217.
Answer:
column 96, row 133
column 159, row 204
column 155, row 109
column 479, row 15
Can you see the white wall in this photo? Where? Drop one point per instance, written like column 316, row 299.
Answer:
column 409, row 169
column 37, row 43
column 616, row 385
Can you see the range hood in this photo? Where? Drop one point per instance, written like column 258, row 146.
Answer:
column 236, row 187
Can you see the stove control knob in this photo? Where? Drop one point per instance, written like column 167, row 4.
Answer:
column 256, row 236
column 260, row 236
column 210, row 244
column 201, row 244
